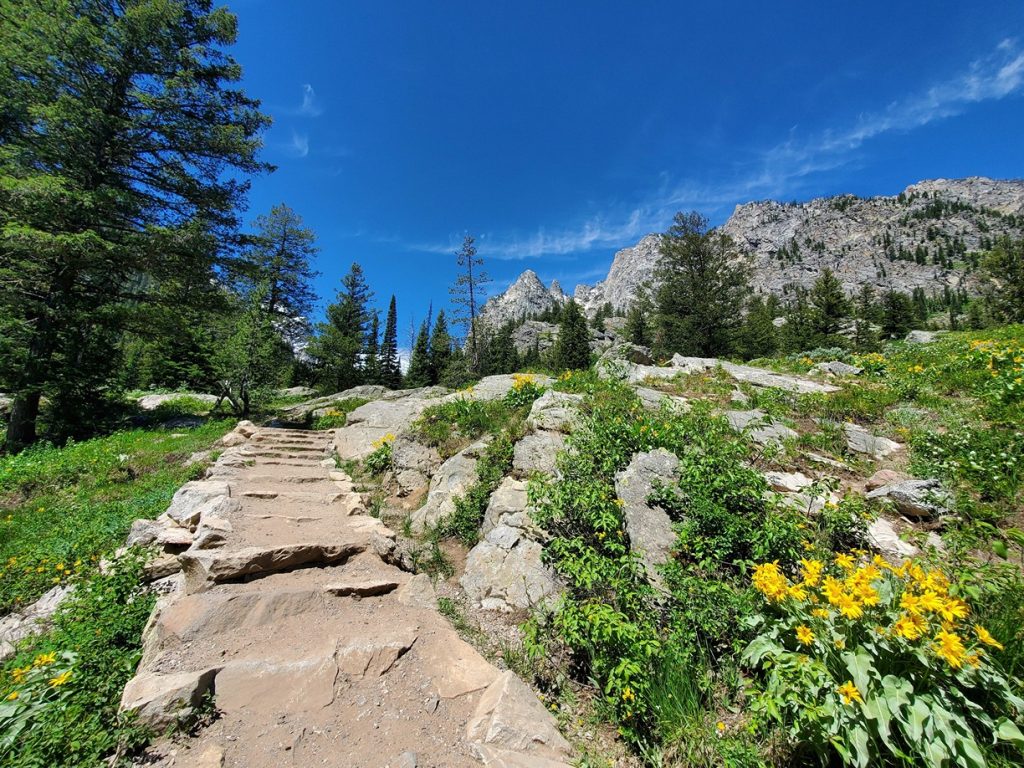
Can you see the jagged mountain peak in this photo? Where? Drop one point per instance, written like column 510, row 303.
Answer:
column 525, row 297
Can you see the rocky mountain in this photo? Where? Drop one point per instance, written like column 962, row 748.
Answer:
column 925, row 237
column 526, row 297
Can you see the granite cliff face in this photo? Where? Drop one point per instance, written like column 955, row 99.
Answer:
column 925, row 237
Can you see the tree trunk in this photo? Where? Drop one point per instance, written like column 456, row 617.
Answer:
column 21, row 431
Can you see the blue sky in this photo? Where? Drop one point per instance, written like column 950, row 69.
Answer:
column 558, row 133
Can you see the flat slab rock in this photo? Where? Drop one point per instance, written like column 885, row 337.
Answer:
column 761, row 427
column 859, row 440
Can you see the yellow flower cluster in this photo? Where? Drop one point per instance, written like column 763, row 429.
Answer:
column 520, row 380
column 388, row 439
column 920, row 602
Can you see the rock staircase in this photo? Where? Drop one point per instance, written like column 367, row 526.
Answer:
column 313, row 648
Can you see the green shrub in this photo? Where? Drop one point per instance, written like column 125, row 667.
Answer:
column 337, row 415
column 96, row 638
column 496, row 461
column 379, row 461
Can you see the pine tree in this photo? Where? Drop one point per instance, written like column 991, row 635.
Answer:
column 868, row 316
column 468, row 294
column 122, row 135
column 897, row 315
column 704, row 283
column 390, row 367
column 798, row 333
column 371, row 351
column 440, row 348
column 638, row 318
column 280, row 253
column 831, row 309
column 419, row 373
column 1002, row 280
column 759, row 336
column 500, row 355
column 341, row 341
column 572, row 349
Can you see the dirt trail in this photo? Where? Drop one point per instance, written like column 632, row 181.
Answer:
column 315, row 649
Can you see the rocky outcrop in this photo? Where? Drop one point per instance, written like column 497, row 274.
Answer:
column 505, row 570
column 631, row 268
column 31, row 620
column 916, row 498
column 152, row 402
column 648, row 526
column 452, row 479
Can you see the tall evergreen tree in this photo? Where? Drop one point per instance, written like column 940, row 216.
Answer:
column 572, row 349
column 1002, row 280
column 799, row 332
column 121, row 135
column 390, row 366
column 638, row 318
column 440, row 348
column 704, row 283
column 897, row 315
column 500, row 355
column 340, row 341
column 281, row 251
column 759, row 337
column 419, row 373
column 831, row 308
column 468, row 294
column 868, row 317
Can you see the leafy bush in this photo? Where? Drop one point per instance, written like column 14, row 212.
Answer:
column 524, row 390
column 379, row 461
column 877, row 663
column 66, row 710
column 462, row 419
column 496, row 461
column 337, row 415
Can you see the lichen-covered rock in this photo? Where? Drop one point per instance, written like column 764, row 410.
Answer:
column 555, row 411
column 761, row 427
column 859, row 440
column 838, row 368
column 648, row 526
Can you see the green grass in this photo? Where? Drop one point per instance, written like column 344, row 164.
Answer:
column 63, row 509
column 337, row 414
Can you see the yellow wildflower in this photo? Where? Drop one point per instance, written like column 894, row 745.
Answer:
column 930, row 601
column 844, row 561
column 848, row 691
column 950, row 647
column 18, row 674
column 44, row 658
column 986, row 638
column 804, row 635
column 909, row 626
column 849, row 607
column 910, row 602
column 60, row 679
column 953, row 609
column 821, row 613
column 770, row 582
column 812, row 571
column 12, row 696
column 627, row 694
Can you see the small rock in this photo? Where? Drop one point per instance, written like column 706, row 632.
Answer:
column 921, row 337
column 882, row 536
column 916, row 498
column 859, row 440
column 761, row 427
column 787, row 482
column 363, row 587
column 883, row 477
column 838, row 368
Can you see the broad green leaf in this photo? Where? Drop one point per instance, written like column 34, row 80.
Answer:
column 861, row 745
column 860, row 667
column 1007, row 730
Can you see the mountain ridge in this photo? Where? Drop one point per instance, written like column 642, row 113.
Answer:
column 926, row 236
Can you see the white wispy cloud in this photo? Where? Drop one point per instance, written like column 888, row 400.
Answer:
column 310, row 105
column 299, row 144
column 776, row 171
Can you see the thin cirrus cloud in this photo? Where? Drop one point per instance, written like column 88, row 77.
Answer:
column 299, row 144
column 310, row 104
column 780, row 169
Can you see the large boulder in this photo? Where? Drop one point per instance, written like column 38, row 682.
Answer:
column 629, row 352
column 838, row 368
column 300, row 411
column 916, row 498
column 649, row 526
column 412, row 463
column 152, row 402
column 921, row 337
column 505, row 570
column 368, row 424
column 452, row 480
column 493, row 387
column 555, row 411
column 538, row 452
